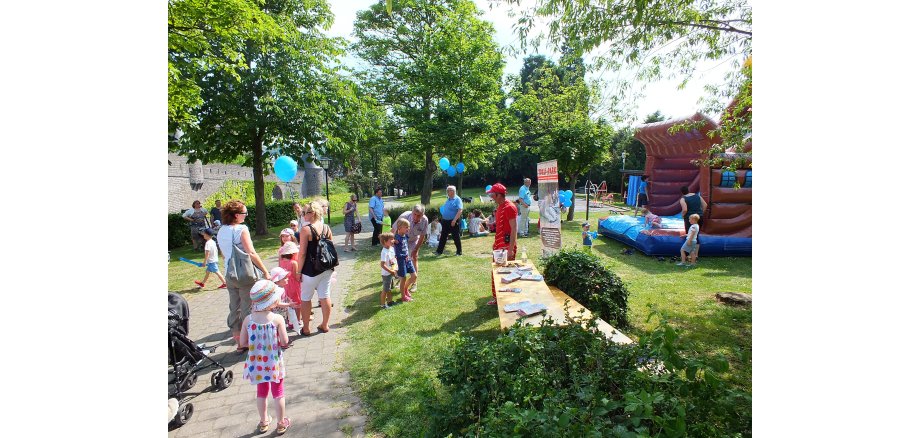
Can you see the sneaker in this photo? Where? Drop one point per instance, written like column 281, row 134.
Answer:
column 438, row 254
column 680, row 264
column 690, row 265
column 200, row 284
column 385, row 307
column 223, row 286
column 492, row 303
column 414, row 287
column 391, row 303
column 459, row 254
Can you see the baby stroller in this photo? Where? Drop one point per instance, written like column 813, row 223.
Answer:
column 186, row 359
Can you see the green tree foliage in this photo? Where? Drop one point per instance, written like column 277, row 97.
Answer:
column 204, row 36
column 655, row 38
column 425, row 57
column 557, row 112
column 286, row 100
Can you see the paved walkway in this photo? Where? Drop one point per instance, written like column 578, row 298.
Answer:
column 319, row 398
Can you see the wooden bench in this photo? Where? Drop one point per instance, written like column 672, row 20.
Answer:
column 552, row 297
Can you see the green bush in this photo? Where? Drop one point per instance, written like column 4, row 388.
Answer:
column 584, row 278
column 430, row 212
column 277, row 213
column 568, row 381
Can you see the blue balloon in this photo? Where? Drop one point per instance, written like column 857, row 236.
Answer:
column 461, row 167
column 563, row 195
column 451, row 171
column 444, row 163
column 488, row 187
column 567, row 203
column 285, row 168
column 568, row 194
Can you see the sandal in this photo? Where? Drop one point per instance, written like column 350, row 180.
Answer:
column 283, row 426
column 263, row 427
column 305, row 332
column 320, row 329
column 492, row 303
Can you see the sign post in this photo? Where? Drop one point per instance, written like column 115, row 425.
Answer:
column 550, row 216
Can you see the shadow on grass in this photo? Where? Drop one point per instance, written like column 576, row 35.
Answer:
column 466, row 322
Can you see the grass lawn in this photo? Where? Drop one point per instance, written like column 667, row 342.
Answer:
column 395, row 354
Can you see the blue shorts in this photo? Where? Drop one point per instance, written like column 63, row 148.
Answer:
column 689, row 247
column 212, row 267
column 404, row 267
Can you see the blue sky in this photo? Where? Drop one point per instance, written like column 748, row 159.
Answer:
column 663, row 95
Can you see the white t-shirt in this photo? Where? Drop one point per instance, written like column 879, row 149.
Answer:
column 211, row 247
column 695, row 231
column 388, row 256
column 474, row 224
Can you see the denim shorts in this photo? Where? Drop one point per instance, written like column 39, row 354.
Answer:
column 404, row 267
column 689, row 247
column 212, row 267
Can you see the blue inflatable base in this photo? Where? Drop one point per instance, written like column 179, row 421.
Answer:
column 628, row 230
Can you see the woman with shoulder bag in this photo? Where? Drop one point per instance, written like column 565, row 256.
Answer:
column 352, row 222
column 233, row 233
column 315, row 278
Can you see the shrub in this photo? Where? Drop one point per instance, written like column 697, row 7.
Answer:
column 431, row 211
column 277, row 213
column 569, row 381
column 584, row 278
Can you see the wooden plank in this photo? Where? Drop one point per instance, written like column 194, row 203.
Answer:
column 575, row 307
column 540, row 292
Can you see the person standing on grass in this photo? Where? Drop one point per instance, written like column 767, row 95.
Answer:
column 451, row 212
column 526, row 199
column 215, row 213
column 691, row 246
column 210, row 259
column 691, row 203
column 418, row 227
column 235, row 233
column 387, row 270
column 375, row 213
column 505, row 226
column 404, row 267
column 350, row 211
column 197, row 219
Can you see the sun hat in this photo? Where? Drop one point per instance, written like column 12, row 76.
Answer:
column 287, row 231
column 277, row 274
column 498, row 188
column 264, row 293
column 585, row 224
column 216, row 223
column 292, row 223
column 289, row 248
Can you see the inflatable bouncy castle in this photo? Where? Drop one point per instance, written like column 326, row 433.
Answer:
column 727, row 222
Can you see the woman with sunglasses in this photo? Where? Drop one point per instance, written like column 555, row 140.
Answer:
column 234, row 232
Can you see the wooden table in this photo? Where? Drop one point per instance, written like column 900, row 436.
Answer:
column 540, row 292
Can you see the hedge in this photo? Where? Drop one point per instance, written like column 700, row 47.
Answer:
column 431, row 211
column 584, row 278
column 277, row 213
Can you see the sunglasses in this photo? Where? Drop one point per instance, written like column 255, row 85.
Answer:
column 244, row 214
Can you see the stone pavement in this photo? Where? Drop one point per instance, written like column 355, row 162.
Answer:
column 319, row 399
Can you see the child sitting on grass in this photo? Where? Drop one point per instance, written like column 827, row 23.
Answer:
column 691, row 246
column 477, row 225
column 387, row 270
column 210, row 259
column 435, row 233
column 403, row 262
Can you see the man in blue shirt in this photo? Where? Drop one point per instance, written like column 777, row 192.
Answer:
column 526, row 199
column 375, row 212
column 450, row 220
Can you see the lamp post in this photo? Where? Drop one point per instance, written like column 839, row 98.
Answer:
column 624, row 160
column 324, row 162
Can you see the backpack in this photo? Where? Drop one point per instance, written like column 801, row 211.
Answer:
column 325, row 258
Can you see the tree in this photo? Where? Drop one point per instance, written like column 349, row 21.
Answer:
column 285, row 102
column 562, row 124
column 656, row 38
column 205, row 36
column 422, row 59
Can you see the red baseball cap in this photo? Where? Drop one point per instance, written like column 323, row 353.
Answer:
column 498, row 188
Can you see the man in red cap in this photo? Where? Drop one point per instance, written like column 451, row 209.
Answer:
column 505, row 226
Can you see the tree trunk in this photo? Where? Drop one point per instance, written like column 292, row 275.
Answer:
column 429, row 177
column 460, row 177
column 259, row 183
column 572, row 182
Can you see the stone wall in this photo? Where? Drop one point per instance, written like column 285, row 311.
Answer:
column 188, row 182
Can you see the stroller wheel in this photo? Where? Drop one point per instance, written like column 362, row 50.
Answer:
column 215, row 377
column 185, row 413
column 189, row 381
column 224, row 379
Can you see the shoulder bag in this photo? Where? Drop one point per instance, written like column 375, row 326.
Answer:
column 240, row 267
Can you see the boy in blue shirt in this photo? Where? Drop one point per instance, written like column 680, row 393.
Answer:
column 405, row 269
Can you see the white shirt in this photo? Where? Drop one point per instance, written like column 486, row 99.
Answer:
column 388, row 256
column 474, row 224
column 211, row 247
column 435, row 231
column 695, row 231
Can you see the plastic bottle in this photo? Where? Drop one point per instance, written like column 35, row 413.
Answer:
column 524, row 256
